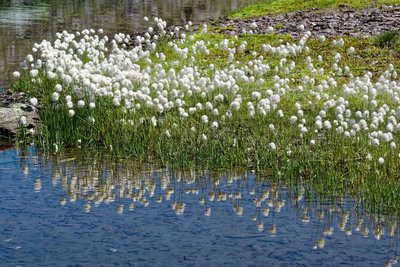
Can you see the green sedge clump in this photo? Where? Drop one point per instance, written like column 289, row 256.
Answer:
column 214, row 100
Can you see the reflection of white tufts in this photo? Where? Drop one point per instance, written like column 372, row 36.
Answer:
column 131, row 206
column 202, row 201
column 180, row 208
column 265, row 212
column 120, row 209
column 272, row 230
column 37, row 185
column 328, row 231
column 260, row 226
column 87, row 207
column 63, row 201
column 207, row 212
column 238, row 210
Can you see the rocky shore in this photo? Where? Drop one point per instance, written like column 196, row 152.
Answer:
column 12, row 108
column 341, row 22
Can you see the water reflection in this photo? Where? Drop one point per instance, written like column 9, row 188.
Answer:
column 24, row 22
column 94, row 181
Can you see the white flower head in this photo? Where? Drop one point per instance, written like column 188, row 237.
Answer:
column 81, row 104
column 235, row 105
column 23, row 120
column 271, row 127
column 350, row 50
column 55, row 97
column 34, row 73
column 154, row 121
column 272, row 146
column 58, row 88
column 293, row 119
column 70, row 104
column 33, row 101
column 16, row 74
column 393, row 145
column 204, row 119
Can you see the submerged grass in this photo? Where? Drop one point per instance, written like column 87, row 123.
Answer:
column 274, row 7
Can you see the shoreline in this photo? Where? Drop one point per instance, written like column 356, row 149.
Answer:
column 331, row 23
column 344, row 21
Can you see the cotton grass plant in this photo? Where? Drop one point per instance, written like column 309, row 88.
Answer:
column 313, row 107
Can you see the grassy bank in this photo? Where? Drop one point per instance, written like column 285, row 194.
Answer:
column 320, row 110
column 274, row 7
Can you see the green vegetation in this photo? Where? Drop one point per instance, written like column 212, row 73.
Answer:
column 320, row 111
column 388, row 39
column 272, row 7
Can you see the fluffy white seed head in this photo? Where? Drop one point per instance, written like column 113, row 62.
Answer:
column 55, row 97
column 272, row 146
column 23, row 120
column 16, row 74
column 33, row 101
column 81, row 104
column 293, row 119
column 204, row 119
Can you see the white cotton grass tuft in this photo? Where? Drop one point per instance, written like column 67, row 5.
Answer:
column 33, row 73
column 139, row 85
column 58, row 88
column 23, row 120
column 16, row 74
column 81, row 104
column 272, row 146
column 34, row 102
column 293, row 119
column 55, row 97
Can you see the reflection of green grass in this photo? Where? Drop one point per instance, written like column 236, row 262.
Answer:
column 283, row 6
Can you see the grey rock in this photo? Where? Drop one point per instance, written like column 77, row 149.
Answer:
column 344, row 21
column 10, row 117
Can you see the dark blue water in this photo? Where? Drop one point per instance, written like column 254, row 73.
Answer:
column 43, row 221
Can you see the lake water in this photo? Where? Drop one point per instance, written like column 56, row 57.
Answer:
column 24, row 22
column 93, row 211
